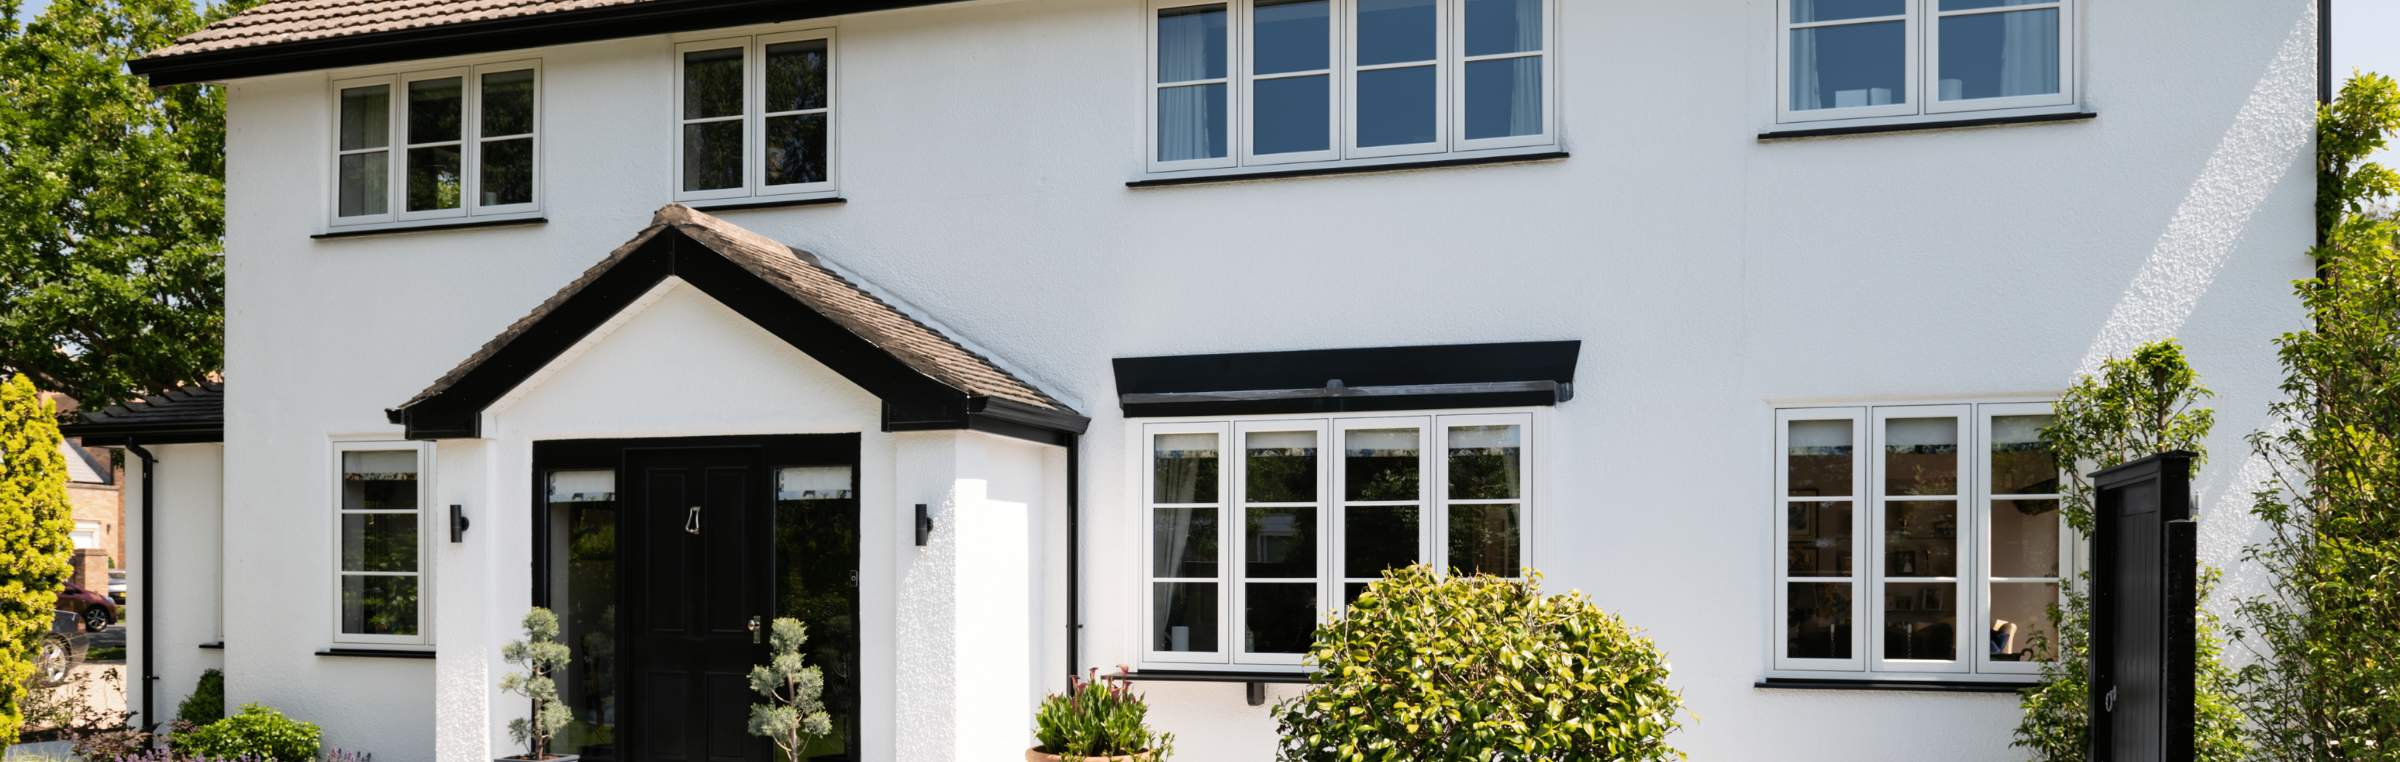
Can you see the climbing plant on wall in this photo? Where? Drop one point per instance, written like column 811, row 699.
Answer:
column 34, row 521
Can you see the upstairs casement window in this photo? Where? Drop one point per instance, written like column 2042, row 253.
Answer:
column 754, row 117
column 1916, row 540
column 459, row 142
column 1259, row 528
column 379, row 543
column 1859, row 59
column 1274, row 82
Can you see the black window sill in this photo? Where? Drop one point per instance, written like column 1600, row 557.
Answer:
column 1921, row 686
column 1197, row 676
column 219, row 645
column 376, row 653
column 433, row 228
column 1359, row 169
column 1956, row 124
column 736, row 207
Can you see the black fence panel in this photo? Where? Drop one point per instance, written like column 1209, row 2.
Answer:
column 2145, row 606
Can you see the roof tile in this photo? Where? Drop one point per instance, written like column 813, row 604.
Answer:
column 297, row 20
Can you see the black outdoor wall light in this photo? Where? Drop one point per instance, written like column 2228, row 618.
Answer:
column 924, row 525
column 458, row 523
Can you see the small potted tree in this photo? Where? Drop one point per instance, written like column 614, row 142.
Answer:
column 794, row 716
column 539, row 653
column 1097, row 720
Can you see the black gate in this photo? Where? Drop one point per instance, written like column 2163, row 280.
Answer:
column 2145, row 560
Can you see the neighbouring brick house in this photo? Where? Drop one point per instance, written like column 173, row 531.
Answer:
column 95, row 487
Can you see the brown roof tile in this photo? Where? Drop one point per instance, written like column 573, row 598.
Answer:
column 298, row 20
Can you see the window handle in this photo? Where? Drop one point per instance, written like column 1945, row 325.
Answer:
column 692, row 524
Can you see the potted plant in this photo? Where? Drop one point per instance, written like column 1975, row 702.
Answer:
column 539, row 653
column 794, row 716
column 1097, row 720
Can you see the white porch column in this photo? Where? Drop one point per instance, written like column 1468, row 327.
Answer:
column 965, row 685
column 469, row 586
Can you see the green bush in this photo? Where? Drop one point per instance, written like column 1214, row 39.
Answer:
column 34, row 521
column 255, row 731
column 1098, row 718
column 206, row 705
column 1427, row 668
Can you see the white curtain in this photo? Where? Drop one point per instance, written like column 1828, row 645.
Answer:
column 1525, row 114
column 1804, row 59
column 812, row 483
column 2029, row 53
column 582, row 486
column 1187, row 115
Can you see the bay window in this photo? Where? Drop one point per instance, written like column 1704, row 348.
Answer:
column 379, row 543
column 1857, row 59
column 441, row 144
column 754, row 117
column 1258, row 528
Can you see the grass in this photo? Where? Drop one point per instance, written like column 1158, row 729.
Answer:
column 106, row 653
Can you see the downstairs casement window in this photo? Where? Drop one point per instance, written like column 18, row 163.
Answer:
column 379, row 543
column 1259, row 528
column 1916, row 540
column 755, row 117
column 1911, row 60
column 433, row 145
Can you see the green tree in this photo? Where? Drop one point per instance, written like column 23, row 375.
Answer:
column 793, row 716
column 34, row 521
column 2326, row 684
column 539, row 653
column 112, row 210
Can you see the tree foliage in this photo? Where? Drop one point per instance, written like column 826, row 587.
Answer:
column 539, row 653
column 1426, row 668
column 2326, row 685
column 794, row 715
column 34, row 521
column 112, row 212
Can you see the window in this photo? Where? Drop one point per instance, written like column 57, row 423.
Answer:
column 1258, row 527
column 1939, row 553
column 1273, row 82
column 86, row 534
column 379, row 544
column 754, row 117
column 1853, row 59
column 441, row 144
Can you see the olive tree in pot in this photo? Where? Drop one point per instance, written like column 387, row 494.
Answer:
column 1097, row 720
column 539, row 653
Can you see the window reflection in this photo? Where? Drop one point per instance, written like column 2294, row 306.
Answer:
column 816, row 582
column 583, row 592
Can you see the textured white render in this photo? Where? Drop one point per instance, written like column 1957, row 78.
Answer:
column 984, row 149
column 189, row 585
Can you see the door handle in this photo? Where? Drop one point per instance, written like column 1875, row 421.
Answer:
column 754, row 629
column 692, row 524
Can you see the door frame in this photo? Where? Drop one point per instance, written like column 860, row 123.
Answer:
column 772, row 451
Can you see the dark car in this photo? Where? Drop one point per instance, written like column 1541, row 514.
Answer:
column 60, row 649
column 97, row 610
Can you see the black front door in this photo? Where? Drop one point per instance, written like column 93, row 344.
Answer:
column 699, row 570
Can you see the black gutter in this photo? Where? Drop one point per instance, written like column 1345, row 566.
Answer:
column 2324, row 51
column 149, row 591
column 1074, row 443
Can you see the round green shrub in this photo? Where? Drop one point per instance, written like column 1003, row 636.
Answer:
column 206, row 705
column 1427, row 668
column 256, row 731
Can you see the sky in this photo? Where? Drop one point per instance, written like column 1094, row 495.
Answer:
column 2366, row 37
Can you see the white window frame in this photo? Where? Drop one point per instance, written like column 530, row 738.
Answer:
column 470, row 143
column 753, row 118
column 1433, row 513
column 1923, row 62
column 1972, row 596
column 1449, row 77
column 425, row 533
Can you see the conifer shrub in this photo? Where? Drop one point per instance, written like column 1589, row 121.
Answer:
column 34, row 521
column 207, row 702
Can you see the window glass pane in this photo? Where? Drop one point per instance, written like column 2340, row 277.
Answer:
column 1819, row 537
column 433, row 110
column 1804, row 11
column 1483, row 540
column 1191, row 43
column 2019, row 611
column 1395, row 31
column 1920, row 538
column 712, row 83
column 1184, row 542
column 1504, row 97
column 507, row 172
column 1191, row 122
column 583, row 590
column 816, row 582
column 366, row 117
column 1999, row 55
column 1183, row 616
column 1484, row 463
column 813, row 483
column 379, row 480
column 379, row 605
column 712, row 155
column 366, row 184
column 1818, row 458
column 1920, row 621
column 1378, row 537
column 2021, row 461
column 379, row 542
column 1968, row 5
column 1281, row 543
column 1292, row 114
column 433, row 179
column 1184, row 468
column 1380, row 464
column 1279, row 618
column 796, row 76
column 1292, row 36
column 1849, row 66
column 796, row 149
column 2025, row 538
column 1503, row 26
column 507, row 103
column 1280, row 467
column 1920, row 456
column 1817, row 620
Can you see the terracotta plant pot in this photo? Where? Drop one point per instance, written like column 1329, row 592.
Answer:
column 1036, row 754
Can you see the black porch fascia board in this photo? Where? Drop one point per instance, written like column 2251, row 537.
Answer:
column 121, row 434
column 908, row 395
column 642, row 19
column 1419, row 366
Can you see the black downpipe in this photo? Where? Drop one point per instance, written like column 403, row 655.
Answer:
column 1074, row 552
column 149, row 592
